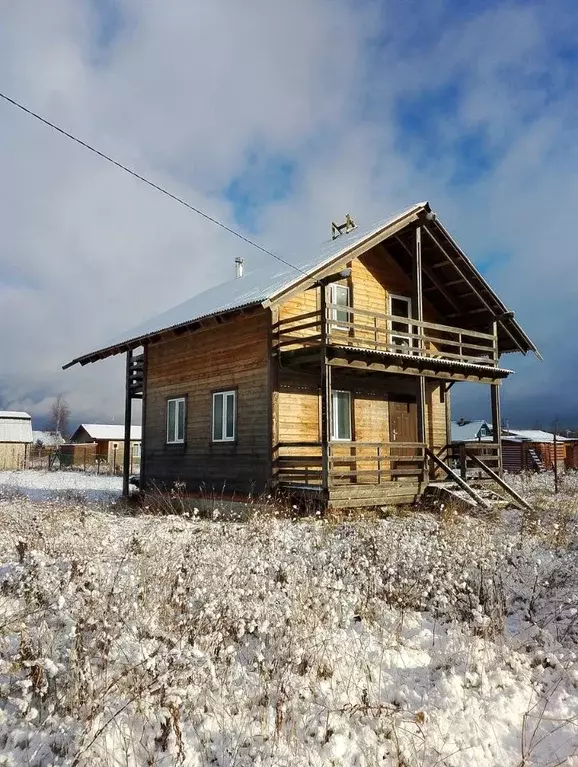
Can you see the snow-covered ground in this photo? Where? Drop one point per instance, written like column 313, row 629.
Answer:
column 418, row 639
column 67, row 485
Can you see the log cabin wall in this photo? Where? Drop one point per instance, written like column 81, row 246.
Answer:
column 231, row 356
column 299, row 406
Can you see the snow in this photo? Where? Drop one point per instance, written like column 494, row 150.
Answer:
column 46, row 485
column 417, row 639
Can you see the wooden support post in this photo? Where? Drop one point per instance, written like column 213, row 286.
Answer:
column 497, row 424
column 448, row 403
column 417, row 313
column 556, row 486
column 463, row 462
column 127, row 425
column 325, row 394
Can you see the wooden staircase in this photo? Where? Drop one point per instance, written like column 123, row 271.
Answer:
column 535, row 458
column 483, row 497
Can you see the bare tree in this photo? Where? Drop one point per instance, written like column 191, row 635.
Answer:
column 59, row 415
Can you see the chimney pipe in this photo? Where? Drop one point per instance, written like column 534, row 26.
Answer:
column 238, row 267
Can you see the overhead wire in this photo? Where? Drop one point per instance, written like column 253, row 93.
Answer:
column 147, row 181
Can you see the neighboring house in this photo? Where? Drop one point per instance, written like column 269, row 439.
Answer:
column 47, row 439
column 330, row 377
column 533, row 450
column 109, row 441
column 15, row 439
column 471, row 431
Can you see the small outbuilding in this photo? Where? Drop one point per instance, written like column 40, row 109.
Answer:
column 109, row 442
column 15, row 439
column 533, row 450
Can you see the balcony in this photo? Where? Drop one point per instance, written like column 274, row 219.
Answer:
column 350, row 328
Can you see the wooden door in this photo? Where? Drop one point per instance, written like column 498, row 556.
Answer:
column 403, row 428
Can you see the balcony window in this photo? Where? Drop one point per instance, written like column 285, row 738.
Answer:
column 340, row 316
column 400, row 306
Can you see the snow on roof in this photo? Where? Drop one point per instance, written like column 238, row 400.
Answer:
column 470, row 431
column 271, row 279
column 47, row 438
column 535, row 435
column 111, row 431
column 261, row 284
column 15, row 426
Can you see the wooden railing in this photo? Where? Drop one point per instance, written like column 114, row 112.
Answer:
column 367, row 463
column 362, row 329
column 459, row 456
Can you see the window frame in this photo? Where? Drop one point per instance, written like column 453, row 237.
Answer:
column 225, row 393
column 334, row 415
column 176, row 441
column 410, row 328
column 335, row 321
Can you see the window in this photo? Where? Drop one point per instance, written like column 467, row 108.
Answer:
column 341, row 415
column 400, row 306
column 176, row 421
column 136, row 450
column 340, row 296
column 224, row 413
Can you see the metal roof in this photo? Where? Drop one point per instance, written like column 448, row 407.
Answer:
column 105, row 431
column 470, row 431
column 15, row 426
column 422, row 360
column 272, row 280
column 534, row 435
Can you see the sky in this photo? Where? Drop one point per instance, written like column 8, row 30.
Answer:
column 278, row 118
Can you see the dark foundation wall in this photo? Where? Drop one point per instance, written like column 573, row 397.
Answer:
column 229, row 356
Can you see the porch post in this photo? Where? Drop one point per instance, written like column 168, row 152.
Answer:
column 496, row 404
column 325, row 393
column 497, row 424
column 127, row 424
column 417, row 313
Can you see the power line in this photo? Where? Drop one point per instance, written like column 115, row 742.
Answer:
column 145, row 180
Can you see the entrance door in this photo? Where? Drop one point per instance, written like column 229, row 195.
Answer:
column 403, row 428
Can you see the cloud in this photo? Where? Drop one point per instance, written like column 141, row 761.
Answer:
column 276, row 119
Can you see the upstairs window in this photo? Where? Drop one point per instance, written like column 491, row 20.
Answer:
column 400, row 306
column 224, row 416
column 136, row 450
column 176, row 421
column 339, row 296
column 341, row 415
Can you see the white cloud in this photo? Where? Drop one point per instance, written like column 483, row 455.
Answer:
column 187, row 92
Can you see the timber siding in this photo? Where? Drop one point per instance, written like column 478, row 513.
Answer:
column 233, row 355
column 13, row 455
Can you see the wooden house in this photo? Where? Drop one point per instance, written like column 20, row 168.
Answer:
column 108, row 440
column 534, row 450
column 329, row 376
column 15, row 439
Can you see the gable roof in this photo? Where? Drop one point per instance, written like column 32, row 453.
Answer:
column 271, row 282
column 105, row 431
column 15, row 426
column 468, row 432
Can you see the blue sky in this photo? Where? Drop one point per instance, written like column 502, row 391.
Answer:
column 267, row 115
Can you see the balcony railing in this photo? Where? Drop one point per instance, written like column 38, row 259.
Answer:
column 362, row 329
column 367, row 463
